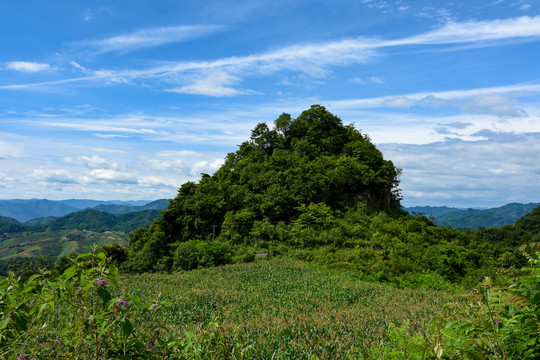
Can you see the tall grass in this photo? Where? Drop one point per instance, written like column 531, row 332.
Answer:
column 282, row 308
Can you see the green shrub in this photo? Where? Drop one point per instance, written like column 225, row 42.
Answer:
column 500, row 322
column 76, row 315
column 199, row 254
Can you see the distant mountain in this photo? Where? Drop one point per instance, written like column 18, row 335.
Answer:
column 473, row 218
column 93, row 220
column 124, row 209
column 83, row 203
column 25, row 210
column 428, row 211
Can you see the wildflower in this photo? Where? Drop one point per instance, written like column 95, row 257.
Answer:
column 101, row 282
column 121, row 303
column 155, row 306
column 58, row 342
column 127, row 315
column 151, row 342
column 23, row 357
column 79, row 287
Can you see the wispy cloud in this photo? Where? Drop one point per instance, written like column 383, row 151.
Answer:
column 148, row 38
column 27, row 66
column 490, row 100
column 475, row 31
column 220, row 77
column 94, row 162
column 60, row 176
column 217, row 83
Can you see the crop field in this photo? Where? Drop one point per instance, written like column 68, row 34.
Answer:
column 55, row 242
column 283, row 308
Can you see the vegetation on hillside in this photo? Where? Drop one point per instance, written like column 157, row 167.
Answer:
column 301, row 172
column 269, row 309
column 318, row 190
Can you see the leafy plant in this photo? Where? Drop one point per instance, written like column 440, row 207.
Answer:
column 500, row 322
column 77, row 315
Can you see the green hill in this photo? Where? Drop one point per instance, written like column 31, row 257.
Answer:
column 70, row 233
column 85, row 220
column 94, row 220
column 9, row 225
column 299, row 172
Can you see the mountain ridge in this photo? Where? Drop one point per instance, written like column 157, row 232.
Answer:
column 24, row 210
column 474, row 218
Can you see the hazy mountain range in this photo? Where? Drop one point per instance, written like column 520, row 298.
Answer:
column 25, row 210
column 35, row 212
column 474, row 218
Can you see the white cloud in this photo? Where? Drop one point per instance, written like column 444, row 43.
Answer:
column 495, row 104
column 54, row 176
column 150, row 37
column 94, row 162
column 93, row 127
column 206, row 166
column 175, row 165
column 110, row 136
column 475, row 31
column 87, row 15
column 26, row 66
column 177, row 153
column 368, row 80
column 109, row 175
column 491, row 99
column 469, row 173
column 214, row 84
column 217, row 77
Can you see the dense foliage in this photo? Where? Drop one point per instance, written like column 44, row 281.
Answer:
column 275, row 178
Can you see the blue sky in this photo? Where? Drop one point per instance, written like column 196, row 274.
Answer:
column 129, row 99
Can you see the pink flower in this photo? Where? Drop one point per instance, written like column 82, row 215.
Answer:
column 101, row 282
column 121, row 303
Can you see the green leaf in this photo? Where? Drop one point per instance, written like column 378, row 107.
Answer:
column 104, row 294
column 68, row 274
column 127, row 328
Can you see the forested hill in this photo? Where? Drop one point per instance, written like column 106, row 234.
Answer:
column 89, row 219
column 301, row 171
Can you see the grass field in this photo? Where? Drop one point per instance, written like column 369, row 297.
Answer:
column 282, row 308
